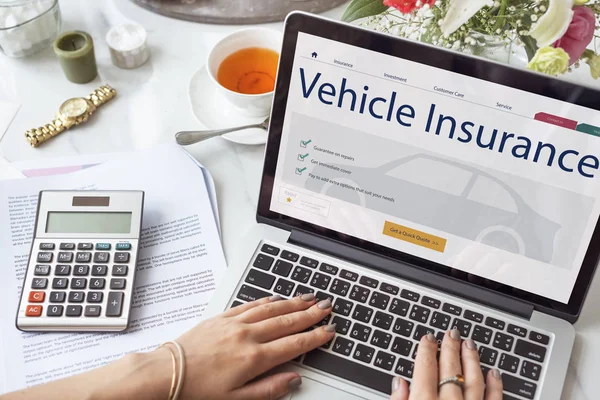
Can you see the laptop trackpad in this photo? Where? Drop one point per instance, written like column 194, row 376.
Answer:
column 311, row 389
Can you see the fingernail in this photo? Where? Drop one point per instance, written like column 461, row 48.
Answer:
column 396, row 383
column 275, row 298
column 294, row 383
column 308, row 296
column 431, row 338
column 471, row 344
column 496, row 373
column 455, row 334
column 325, row 304
column 330, row 328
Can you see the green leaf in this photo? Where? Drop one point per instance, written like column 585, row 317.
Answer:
column 358, row 9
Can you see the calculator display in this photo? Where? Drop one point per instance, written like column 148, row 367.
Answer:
column 88, row 222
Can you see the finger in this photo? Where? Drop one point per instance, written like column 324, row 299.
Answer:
column 276, row 308
column 288, row 324
column 270, row 388
column 425, row 376
column 399, row 389
column 232, row 312
column 493, row 390
column 450, row 364
column 474, row 385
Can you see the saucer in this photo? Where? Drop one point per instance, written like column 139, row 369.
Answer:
column 213, row 111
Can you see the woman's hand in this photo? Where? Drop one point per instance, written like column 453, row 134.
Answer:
column 456, row 357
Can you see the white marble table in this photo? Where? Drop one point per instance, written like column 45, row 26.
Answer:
column 153, row 104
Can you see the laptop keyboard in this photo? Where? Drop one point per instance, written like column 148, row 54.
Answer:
column 379, row 324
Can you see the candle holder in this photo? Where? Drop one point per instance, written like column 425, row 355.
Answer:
column 28, row 26
column 75, row 51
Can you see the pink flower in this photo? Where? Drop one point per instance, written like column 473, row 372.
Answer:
column 579, row 34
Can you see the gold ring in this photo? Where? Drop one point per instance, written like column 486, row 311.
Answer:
column 457, row 379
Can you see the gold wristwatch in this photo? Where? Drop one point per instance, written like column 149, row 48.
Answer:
column 72, row 112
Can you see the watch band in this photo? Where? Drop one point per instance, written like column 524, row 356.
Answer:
column 101, row 95
column 37, row 136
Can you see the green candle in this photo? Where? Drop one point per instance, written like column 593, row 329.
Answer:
column 75, row 51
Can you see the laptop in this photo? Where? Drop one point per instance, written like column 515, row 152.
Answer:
column 423, row 190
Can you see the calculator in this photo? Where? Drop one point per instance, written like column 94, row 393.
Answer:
column 81, row 268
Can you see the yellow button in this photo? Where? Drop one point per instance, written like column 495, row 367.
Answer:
column 414, row 236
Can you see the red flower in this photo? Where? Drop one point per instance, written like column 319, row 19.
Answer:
column 407, row 6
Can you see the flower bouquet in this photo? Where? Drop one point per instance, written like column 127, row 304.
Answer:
column 556, row 34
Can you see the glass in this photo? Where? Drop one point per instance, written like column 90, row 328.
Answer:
column 88, row 222
column 28, row 26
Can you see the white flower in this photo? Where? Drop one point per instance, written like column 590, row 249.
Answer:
column 459, row 12
column 553, row 24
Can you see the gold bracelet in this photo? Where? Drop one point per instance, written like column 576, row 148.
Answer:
column 174, row 377
column 175, row 396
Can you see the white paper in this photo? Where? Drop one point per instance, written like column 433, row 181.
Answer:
column 175, row 277
column 8, row 171
column 7, row 114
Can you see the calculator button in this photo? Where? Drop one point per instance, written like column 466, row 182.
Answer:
column 65, row 257
column 33, row 311
column 102, row 246
column 84, row 257
column 37, row 297
column 114, row 304
column 94, row 297
column 41, row 270
column 67, row 246
column 44, row 257
column 78, row 283
column 101, row 257
column 81, row 270
column 119, row 270
column 76, row 297
column 46, row 246
column 121, row 257
column 57, row 297
column 92, row 311
column 39, row 283
column 73, row 311
column 85, row 246
column 97, row 283
column 60, row 283
column 62, row 270
column 123, row 246
column 117, row 284
column 99, row 270
column 55, row 311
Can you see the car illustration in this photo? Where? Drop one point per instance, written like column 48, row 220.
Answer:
column 446, row 195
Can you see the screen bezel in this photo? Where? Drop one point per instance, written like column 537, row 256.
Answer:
column 439, row 58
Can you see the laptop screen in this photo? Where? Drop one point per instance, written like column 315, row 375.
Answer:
column 487, row 179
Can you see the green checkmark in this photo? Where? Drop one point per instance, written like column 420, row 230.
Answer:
column 301, row 170
column 303, row 156
column 305, row 143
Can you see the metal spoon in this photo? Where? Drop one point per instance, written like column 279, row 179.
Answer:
column 186, row 138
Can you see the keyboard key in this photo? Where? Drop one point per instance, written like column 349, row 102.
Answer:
column 323, row 296
column 62, row 270
column 284, row 287
column 405, row 368
column 519, row 386
column 57, row 297
column 282, row 268
column 83, row 257
column 101, row 258
column 343, row 346
column 359, row 293
column 76, row 297
column 123, row 246
column 370, row 282
column 503, row 341
column 81, row 270
column 419, row 313
column 410, row 295
column 46, row 246
column 102, row 246
column 379, row 300
column 309, row 262
column 488, row 356
column 363, row 353
column 97, row 283
column 539, row 337
column 362, row 313
column 236, row 303
column 340, row 287
column 399, row 307
column 343, row 307
column 440, row 320
column 78, row 283
column 342, row 325
column 39, row 283
column 508, row 363
column 381, row 339
column 360, row 332
column 403, row 327
column 383, row 320
column 481, row 334
column 37, row 297
column 324, row 321
column 330, row 269
column 44, row 257
column 494, row 323
column 516, row 330
column 73, row 311
column 414, row 354
column 99, row 270
column 530, row 350
column 255, row 277
column 320, row 281
column 55, row 311
column 473, row 316
column 60, row 283
column 428, row 301
column 114, row 304
column 121, row 257
column 248, row 293
column 452, row 309
column 301, row 274
column 67, row 246
column 440, row 337
column 64, row 257
column 117, row 284
column 288, row 255
column 263, row 261
column 33, row 311
column 401, row 346
column 92, row 311
column 463, row 327
column 531, row 370
column 300, row 290
column 421, row 331
column 349, row 370
column 391, row 289
column 85, row 246
column 351, row 276
column 384, row 360
column 119, row 270
column 484, row 372
column 41, row 270
column 94, row 297
column 267, row 248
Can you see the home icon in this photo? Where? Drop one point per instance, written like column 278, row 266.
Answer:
column 314, row 54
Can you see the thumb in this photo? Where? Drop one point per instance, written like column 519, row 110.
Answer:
column 271, row 387
column 399, row 389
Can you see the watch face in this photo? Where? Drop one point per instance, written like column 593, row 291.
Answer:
column 74, row 108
